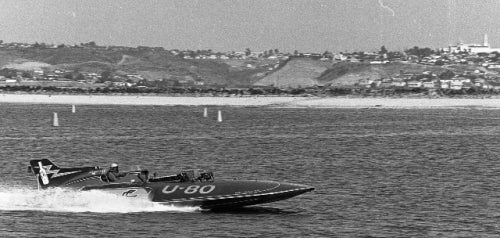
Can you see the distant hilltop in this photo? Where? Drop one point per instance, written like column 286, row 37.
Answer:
column 91, row 63
column 118, row 68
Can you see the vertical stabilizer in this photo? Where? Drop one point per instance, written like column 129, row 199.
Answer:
column 50, row 175
column 44, row 170
column 43, row 174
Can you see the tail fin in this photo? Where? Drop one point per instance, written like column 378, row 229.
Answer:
column 43, row 169
column 50, row 175
column 47, row 164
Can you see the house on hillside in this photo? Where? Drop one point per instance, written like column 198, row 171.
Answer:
column 340, row 57
column 398, row 82
column 122, row 84
column 430, row 84
column 456, row 84
column 366, row 83
column 415, row 84
column 481, row 83
column 379, row 62
column 386, row 84
column 134, row 77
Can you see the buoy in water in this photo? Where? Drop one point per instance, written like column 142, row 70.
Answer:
column 55, row 121
column 205, row 112
column 219, row 116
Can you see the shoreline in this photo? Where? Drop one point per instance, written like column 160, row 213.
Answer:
column 251, row 101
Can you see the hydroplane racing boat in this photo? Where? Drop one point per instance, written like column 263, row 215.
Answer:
column 188, row 188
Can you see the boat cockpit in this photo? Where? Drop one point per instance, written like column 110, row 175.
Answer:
column 193, row 175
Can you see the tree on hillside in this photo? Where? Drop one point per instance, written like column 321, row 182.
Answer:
column 327, row 54
column 495, row 57
column 8, row 73
column 439, row 62
column 448, row 74
column 68, row 76
column 36, row 45
column 383, row 50
column 391, row 55
column 420, row 52
column 80, row 76
column 483, row 55
column 106, row 75
column 26, row 75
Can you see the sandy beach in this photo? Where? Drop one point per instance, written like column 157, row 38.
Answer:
column 313, row 102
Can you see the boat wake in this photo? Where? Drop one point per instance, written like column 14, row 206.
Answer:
column 66, row 200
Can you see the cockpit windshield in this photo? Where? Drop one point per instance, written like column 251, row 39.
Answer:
column 134, row 168
column 186, row 176
column 196, row 175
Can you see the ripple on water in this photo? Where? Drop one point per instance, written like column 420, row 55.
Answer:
column 380, row 173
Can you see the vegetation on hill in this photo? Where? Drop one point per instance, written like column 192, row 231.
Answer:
column 349, row 73
column 153, row 65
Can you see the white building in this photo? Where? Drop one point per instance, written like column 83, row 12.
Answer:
column 473, row 48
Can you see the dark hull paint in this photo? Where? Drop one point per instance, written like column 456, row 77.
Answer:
column 242, row 200
column 225, row 193
column 240, row 196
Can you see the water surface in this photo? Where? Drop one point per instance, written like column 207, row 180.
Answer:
column 377, row 172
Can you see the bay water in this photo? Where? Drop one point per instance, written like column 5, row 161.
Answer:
column 377, row 172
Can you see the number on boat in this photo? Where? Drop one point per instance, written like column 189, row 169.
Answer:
column 203, row 189
column 190, row 189
column 165, row 189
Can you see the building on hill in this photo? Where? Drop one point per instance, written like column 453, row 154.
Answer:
column 472, row 48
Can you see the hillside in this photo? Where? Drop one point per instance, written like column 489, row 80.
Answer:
column 153, row 65
column 298, row 72
column 163, row 66
column 303, row 72
column 347, row 73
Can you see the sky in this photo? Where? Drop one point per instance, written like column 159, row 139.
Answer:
column 234, row 25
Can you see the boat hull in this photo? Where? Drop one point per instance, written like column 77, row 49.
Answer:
column 208, row 195
column 226, row 194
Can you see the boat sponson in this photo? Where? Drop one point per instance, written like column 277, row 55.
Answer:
column 235, row 194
